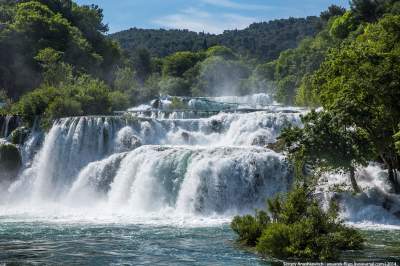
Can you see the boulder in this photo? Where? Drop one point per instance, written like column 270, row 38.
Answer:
column 130, row 143
column 260, row 141
column 20, row 135
column 10, row 162
column 216, row 126
column 186, row 137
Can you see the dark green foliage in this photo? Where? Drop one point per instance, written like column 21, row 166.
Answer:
column 328, row 145
column 83, row 96
column 275, row 241
column 177, row 64
column 397, row 143
column 35, row 103
column 119, row 100
column 37, row 38
column 263, row 41
column 142, row 64
column 20, row 135
column 221, row 51
column 370, row 10
column 358, row 84
column 298, row 228
column 343, row 26
column 293, row 65
column 332, row 11
column 61, row 107
column 249, row 228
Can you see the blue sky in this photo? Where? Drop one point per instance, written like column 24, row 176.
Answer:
column 212, row 16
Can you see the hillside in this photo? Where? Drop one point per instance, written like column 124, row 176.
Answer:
column 263, row 41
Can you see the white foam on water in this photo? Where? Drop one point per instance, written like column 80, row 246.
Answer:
column 184, row 172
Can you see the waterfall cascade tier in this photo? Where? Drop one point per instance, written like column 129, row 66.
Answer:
column 8, row 124
column 133, row 166
column 214, row 165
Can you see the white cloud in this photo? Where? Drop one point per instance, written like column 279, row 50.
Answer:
column 235, row 5
column 199, row 20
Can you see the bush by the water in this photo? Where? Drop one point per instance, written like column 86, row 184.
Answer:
column 297, row 227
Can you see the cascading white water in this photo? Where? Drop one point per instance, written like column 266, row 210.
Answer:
column 376, row 207
column 141, row 166
column 126, row 166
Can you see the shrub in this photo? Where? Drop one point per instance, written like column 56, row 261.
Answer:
column 275, row 240
column 250, row 228
column 299, row 228
column 64, row 107
column 35, row 103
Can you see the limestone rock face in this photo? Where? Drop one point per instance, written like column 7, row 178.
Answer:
column 10, row 162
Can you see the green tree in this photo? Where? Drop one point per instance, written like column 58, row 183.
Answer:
column 332, row 11
column 369, row 10
column 177, row 64
column 125, row 79
column 358, row 85
column 222, row 51
column 31, row 29
column 142, row 64
column 55, row 71
column 327, row 145
column 342, row 26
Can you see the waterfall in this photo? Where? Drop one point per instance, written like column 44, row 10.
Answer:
column 142, row 166
column 8, row 124
column 376, row 205
column 137, row 165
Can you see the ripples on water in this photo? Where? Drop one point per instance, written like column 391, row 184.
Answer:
column 120, row 244
column 86, row 244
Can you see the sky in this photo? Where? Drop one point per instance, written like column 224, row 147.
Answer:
column 212, row 16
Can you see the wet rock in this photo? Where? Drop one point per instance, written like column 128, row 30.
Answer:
column 10, row 162
column 131, row 143
column 19, row 135
column 216, row 126
column 260, row 141
column 186, row 137
column 277, row 146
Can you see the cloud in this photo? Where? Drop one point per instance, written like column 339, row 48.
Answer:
column 234, row 5
column 199, row 20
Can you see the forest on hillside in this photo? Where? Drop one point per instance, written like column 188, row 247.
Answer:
column 261, row 41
